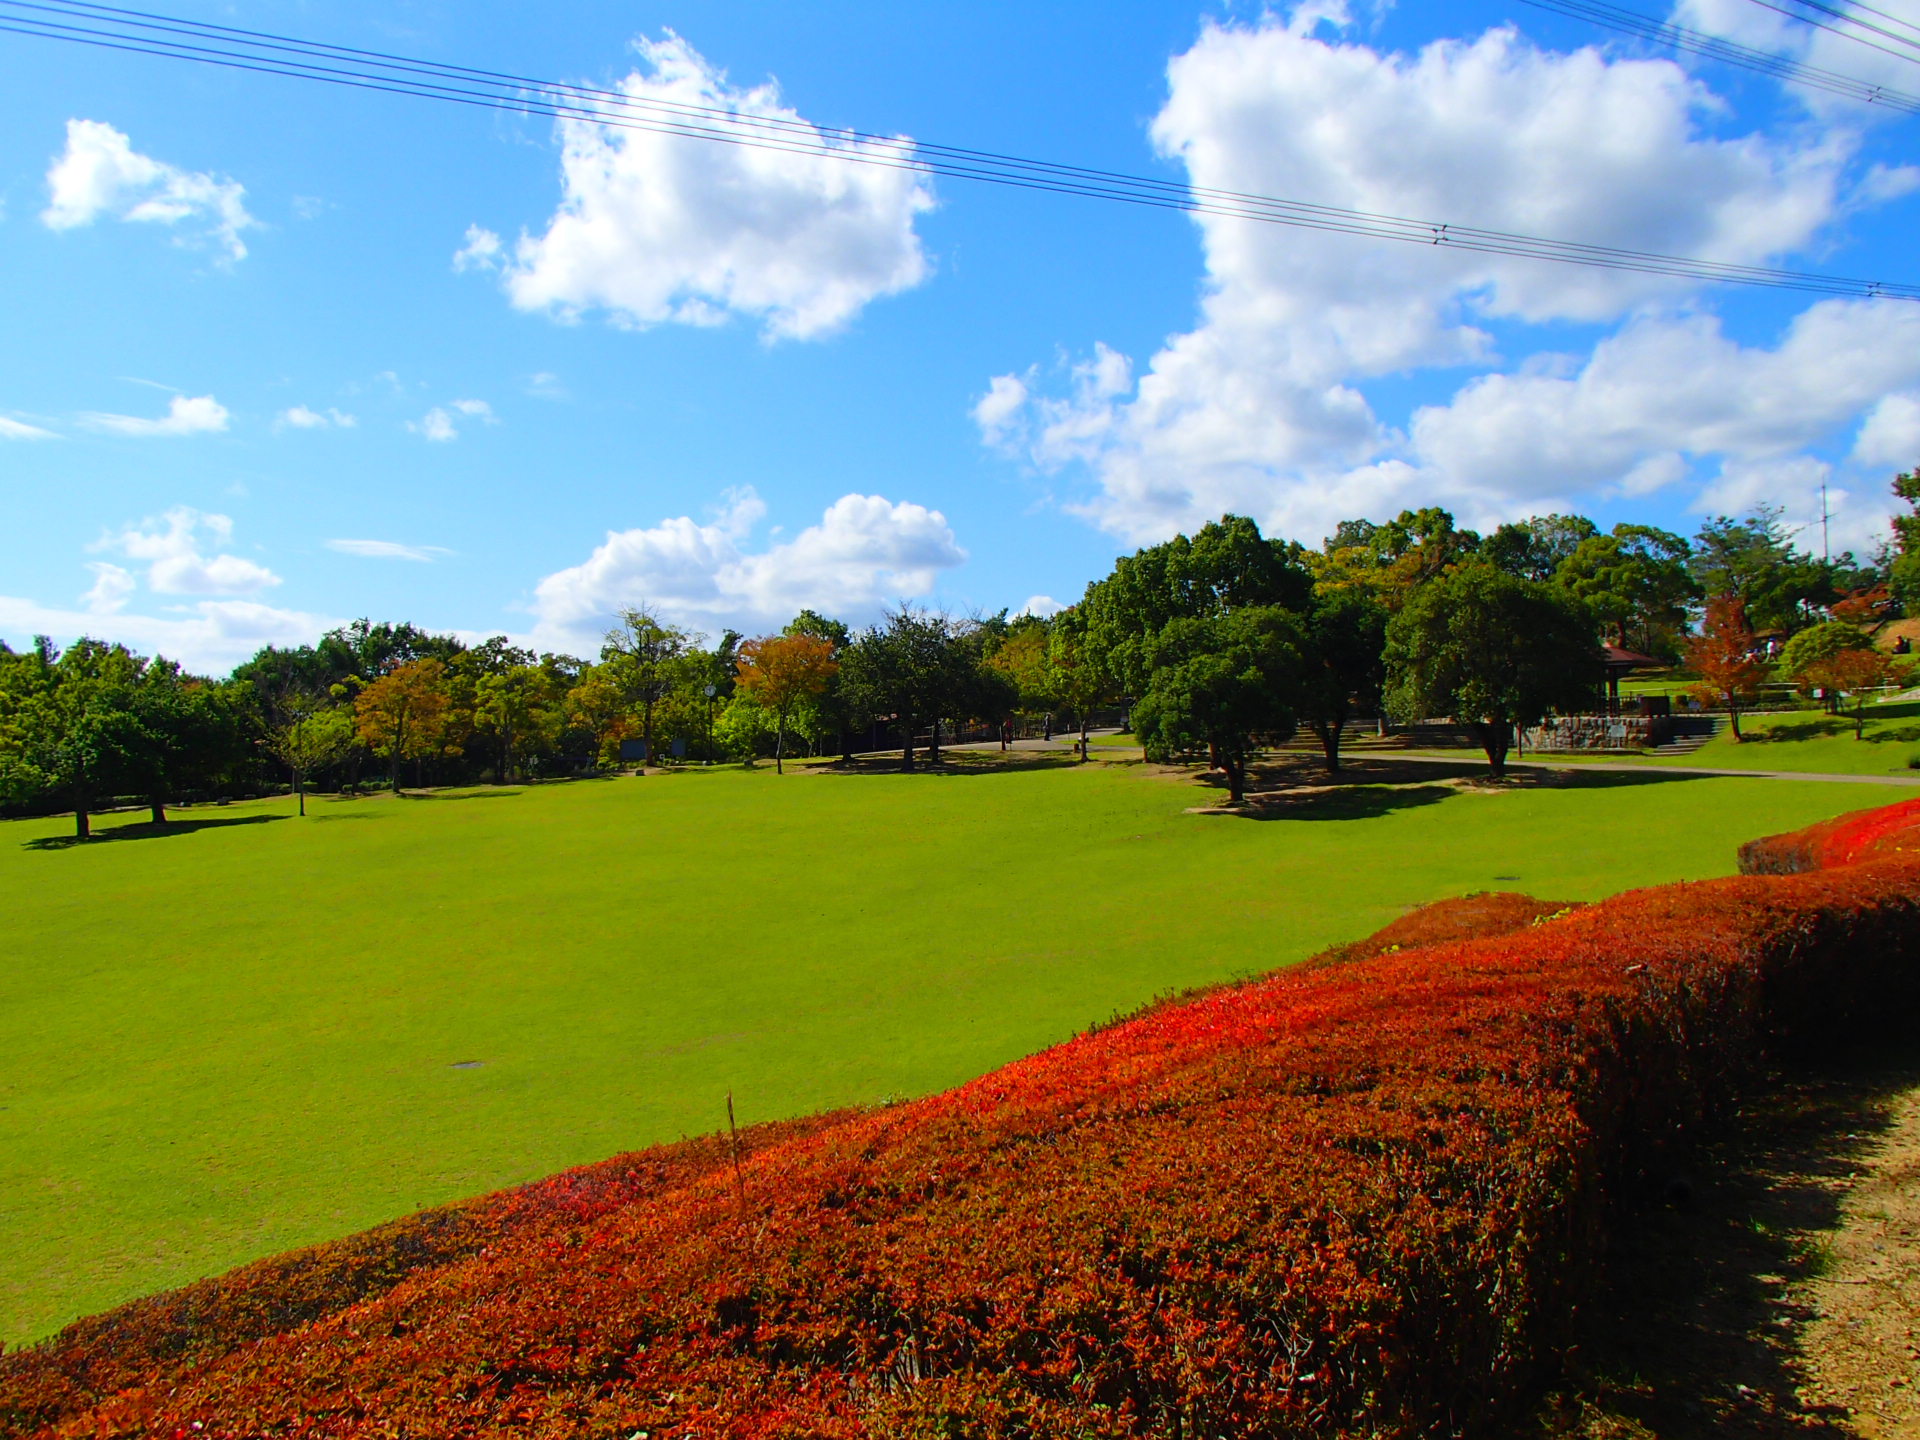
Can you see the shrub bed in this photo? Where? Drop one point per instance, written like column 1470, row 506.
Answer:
column 1351, row 1200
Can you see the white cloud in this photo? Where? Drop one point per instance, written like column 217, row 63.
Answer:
column 111, row 589
column 438, row 424
column 1260, row 408
column 1764, row 28
column 654, row 228
column 20, row 430
column 100, row 173
column 171, row 547
column 300, row 417
column 211, row 637
column 1044, row 606
column 388, row 550
column 865, row 551
column 1664, row 386
column 1890, row 437
column 186, row 415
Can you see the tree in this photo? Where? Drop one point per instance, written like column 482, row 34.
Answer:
column 1636, row 583
column 1228, row 565
column 514, row 706
column 403, row 715
column 1905, row 561
column 307, row 735
column 1343, row 633
column 1754, row 560
column 1075, row 675
column 781, row 672
column 908, row 670
column 1221, row 682
column 71, row 729
column 1722, row 656
column 1534, row 548
column 644, row 656
column 1492, row 650
column 1850, row 677
column 1805, row 657
column 835, row 712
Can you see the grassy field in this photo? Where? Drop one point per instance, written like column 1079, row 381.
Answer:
column 251, row 1031
column 1813, row 743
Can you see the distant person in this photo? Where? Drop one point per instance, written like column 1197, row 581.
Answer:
column 1049, row 727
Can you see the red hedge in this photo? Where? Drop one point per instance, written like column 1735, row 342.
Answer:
column 1339, row 1201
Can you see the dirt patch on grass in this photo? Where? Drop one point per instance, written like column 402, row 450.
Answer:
column 1774, row 1289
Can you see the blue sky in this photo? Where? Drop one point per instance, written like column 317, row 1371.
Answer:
column 281, row 355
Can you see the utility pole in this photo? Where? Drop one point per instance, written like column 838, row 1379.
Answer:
column 1826, row 550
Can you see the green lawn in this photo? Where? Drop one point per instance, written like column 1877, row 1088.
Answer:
column 1813, row 743
column 250, row 1032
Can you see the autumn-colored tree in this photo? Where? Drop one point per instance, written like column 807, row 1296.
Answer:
column 403, row 715
column 781, row 672
column 1849, row 677
column 1722, row 656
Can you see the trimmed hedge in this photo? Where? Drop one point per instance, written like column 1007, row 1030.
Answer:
column 1352, row 1200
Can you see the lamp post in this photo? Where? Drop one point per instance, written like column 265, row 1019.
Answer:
column 712, row 690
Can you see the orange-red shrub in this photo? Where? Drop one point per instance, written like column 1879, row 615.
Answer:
column 1341, row 1201
column 1462, row 917
column 1843, row 840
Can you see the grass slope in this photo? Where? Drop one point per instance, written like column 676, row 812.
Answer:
column 243, row 1035
column 1811, row 743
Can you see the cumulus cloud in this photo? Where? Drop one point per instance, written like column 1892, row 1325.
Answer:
column 1044, row 606
column 1262, row 406
column 1890, row 436
column 101, row 174
column 388, row 550
column 112, row 587
column 20, row 430
column 865, row 551
column 656, row 228
column 173, row 549
column 1768, row 29
column 208, row 636
column 300, row 417
column 441, row 422
column 186, row 415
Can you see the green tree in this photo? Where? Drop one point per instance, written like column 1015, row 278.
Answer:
column 1905, row 559
column 1804, row 658
column 307, row 734
column 1492, row 650
column 644, row 657
column 908, row 671
column 1221, row 683
column 1228, row 565
column 834, row 715
column 1536, row 547
column 1754, row 559
column 71, row 732
column 1343, row 635
column 1636, row 583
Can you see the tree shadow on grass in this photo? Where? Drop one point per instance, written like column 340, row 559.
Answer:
column 1343, row 802
column 504, row 793
column 1694, row 1330
column 149, row 831
column 952, row 763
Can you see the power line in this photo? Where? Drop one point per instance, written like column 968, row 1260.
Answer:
column 1847, row 19
column 1731, row 52
column 263, row 52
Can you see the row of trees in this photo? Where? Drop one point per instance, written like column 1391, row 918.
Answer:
column 1219, row 642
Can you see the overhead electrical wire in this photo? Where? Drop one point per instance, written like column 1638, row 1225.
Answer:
column 148, row 33
column 1731, row 52
column 1911, row 53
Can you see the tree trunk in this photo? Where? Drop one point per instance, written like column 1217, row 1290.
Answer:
column 906, row 755
column 846, row 746
column 1495, row 737
column 300, row 791
column 1329, row 743
column 157, row 804
column 1733, row 718
column 82, row 826
column 780, row 746
column 1236, row 780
